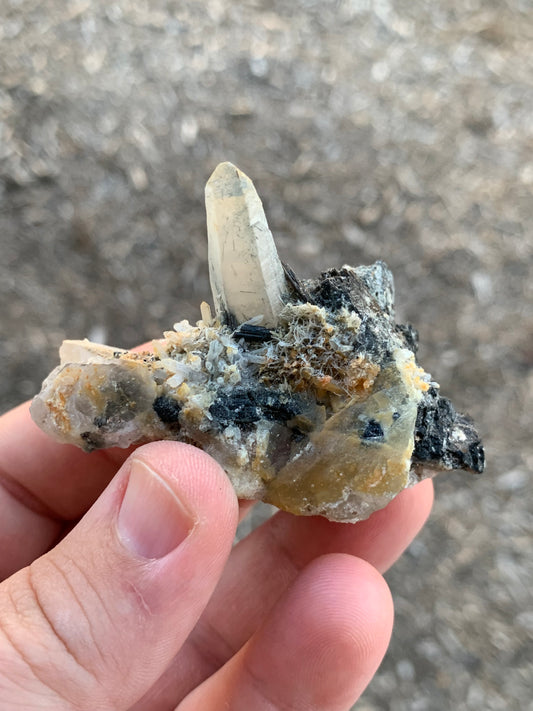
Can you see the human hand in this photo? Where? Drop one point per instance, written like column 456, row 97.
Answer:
column 125, row 592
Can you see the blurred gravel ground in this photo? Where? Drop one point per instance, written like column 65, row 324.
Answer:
column 400, row 130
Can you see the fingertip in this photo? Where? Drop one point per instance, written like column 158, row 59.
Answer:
column 318, row 648
column 412, row 506
column 387, row 533
column 345, row 617
column 346, row 610
column 418, row 500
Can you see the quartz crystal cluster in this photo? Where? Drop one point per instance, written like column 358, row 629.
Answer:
column 306, row 391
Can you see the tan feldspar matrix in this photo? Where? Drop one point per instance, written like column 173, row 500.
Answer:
column 306, row 391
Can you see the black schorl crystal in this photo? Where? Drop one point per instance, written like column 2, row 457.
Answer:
column 167, row 409
column 242, row 406
column 445, row 438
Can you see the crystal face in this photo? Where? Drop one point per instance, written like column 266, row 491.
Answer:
column 246, row 274
column 306, row 391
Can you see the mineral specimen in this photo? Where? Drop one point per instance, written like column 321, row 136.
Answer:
column 306, row 391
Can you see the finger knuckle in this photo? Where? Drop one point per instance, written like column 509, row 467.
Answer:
column 47, row 620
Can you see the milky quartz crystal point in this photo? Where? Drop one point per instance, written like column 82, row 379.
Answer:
column 247, row 277
column 306, row 391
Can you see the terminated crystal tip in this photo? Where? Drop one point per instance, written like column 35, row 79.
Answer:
column 247, row 277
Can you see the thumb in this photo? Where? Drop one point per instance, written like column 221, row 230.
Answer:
column 95, row 622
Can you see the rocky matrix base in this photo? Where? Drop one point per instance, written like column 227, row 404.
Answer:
column 306, row 391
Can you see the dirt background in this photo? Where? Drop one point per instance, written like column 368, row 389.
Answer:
column 394, row 130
